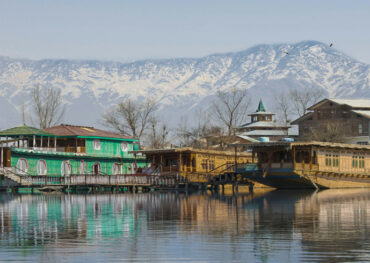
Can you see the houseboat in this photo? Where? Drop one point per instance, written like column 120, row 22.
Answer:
column 309, row 165
column 196, row 165
column 66, row 150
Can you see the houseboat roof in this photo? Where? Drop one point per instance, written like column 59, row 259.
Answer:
column 313, row 143
column 83, row 131
column 24, row 130
column 353, row 103
column 188, row 150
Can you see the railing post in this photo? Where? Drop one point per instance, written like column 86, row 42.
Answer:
column 45, row 180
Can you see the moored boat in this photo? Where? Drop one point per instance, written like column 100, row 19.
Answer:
column 309, row 165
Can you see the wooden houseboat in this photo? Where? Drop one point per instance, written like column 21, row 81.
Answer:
column 309, row 165
column 66, row 150
column 196, row 165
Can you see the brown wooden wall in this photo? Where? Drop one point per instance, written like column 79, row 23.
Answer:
column 331, row 113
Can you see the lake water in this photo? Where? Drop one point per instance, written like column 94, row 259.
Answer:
column 266, row 226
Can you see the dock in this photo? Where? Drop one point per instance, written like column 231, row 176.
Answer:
column 125, row 182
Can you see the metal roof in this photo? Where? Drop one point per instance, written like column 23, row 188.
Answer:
column 261, row 113
column 302, row 118
column 187, row 149
column 365, row 113
column 353, row 103
column 247, row 138
column 24, row 130
column 82, row 131
column 266, row 133
column 262, row 124
column 360, row 103
column 313, row 143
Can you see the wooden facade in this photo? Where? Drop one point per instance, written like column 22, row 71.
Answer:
column 197, row 165
column 352, row 116
column 310, row 165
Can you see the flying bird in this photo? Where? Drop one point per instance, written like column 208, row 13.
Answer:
column 331, row 44
column 286, row 52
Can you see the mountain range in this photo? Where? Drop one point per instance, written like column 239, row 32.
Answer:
column 181, row 85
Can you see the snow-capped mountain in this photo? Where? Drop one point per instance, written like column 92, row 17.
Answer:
column 181, row 84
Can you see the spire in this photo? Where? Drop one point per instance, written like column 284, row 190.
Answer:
column 261, row 107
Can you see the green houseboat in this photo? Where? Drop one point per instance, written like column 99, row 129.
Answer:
column 65, row 150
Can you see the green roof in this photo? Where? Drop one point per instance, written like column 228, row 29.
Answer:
column 24, row 130
column 261, row 108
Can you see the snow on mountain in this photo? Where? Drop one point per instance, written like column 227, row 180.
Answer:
column 182, row 84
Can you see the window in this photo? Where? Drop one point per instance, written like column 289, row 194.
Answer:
column 22, row 166
column 82, row 167
column 124, row 146
column 360, row 128
column 335, row 160
column 255, row 118
column 41, row 167
column 355, row 161
column 358, row 161
column 328, row 159
column 116, row 169
column 96, row 144
column 65, row 168
column 204, row 164
column 211, row 164
column 361, row 161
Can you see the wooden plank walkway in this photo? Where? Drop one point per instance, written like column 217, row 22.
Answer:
column 101, row 180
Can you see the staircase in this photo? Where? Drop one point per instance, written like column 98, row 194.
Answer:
column 11, row 174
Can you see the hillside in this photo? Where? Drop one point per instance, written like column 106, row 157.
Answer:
column 181, row 84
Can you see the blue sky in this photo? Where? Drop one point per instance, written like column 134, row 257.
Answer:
column 127, row 30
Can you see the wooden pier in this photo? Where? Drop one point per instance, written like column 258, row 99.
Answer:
column 127, row 182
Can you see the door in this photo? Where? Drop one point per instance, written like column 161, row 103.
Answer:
column 96, row 169
column 6, row 158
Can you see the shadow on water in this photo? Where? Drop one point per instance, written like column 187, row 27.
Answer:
column 263, row 226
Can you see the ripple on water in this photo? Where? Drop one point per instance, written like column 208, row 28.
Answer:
column 268, row 226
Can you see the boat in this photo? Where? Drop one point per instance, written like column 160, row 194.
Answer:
column 319, row 165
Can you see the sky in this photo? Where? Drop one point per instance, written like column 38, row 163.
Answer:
column 132, row 30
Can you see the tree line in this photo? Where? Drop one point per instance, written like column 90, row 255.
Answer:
column 216, row 124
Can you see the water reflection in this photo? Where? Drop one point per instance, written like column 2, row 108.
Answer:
column 266, row 226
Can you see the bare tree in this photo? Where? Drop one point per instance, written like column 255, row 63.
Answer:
column 47, row 105
column 131, row 117
column 183, row 133
column 303, row 98
column 158, row 135
column 230, row 108
column 283, row 107
column 202, row 134
column 190, row 135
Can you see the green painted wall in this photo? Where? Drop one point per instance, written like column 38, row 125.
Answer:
column 111, row 148
column 54, row 163
column 110, row 152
